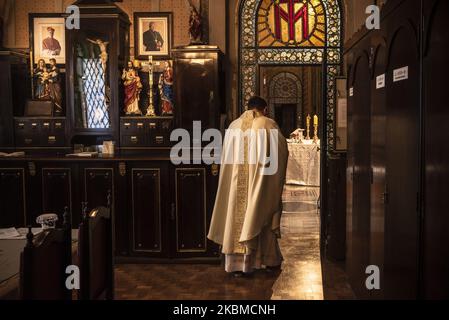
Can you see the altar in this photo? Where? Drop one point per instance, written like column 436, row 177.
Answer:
column 303, row 163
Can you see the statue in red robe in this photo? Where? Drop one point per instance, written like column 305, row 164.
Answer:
column 133, row 87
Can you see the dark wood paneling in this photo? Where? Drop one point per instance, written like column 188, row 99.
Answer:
column 98, row 182
column 191, row 220
column 6, row 112
column 197, row 87
column 146, row 212
column 56, row 190
column 359, row 149
column 402, row 157
column 435, row 283
column 378, row 142
column 12, row 197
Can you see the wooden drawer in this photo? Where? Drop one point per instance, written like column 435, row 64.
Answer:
column 134, row 141
column 133, row 126
column 40, row 132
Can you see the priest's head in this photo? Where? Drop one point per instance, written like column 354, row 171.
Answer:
column 259, row 104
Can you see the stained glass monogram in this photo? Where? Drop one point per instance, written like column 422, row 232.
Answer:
column 291, row 23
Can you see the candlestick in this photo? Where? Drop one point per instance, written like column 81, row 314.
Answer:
column 315, row 128
column 150, row 111
column 308, row 126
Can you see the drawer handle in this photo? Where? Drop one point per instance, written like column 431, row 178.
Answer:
column 58, row 125
column 152, row 125
column 140, row 125
column 134, row 139
column 21, row 125
column 159, row 140
column 34, row 125
column 51, row 139
column 46, row 124
column 127, row 125
column 28, row 141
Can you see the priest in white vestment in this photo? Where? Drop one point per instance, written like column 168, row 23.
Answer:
column 248, row 206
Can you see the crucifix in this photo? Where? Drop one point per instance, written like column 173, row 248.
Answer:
column 150, row 111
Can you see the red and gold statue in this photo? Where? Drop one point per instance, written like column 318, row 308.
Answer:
column 133, row 87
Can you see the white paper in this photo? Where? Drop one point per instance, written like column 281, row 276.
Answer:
column 9, row 233
column 351, row 92
column 342, row 113
column 380, row 81
column 400, row 74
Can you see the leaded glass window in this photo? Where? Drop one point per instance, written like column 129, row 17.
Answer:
column 290, row 32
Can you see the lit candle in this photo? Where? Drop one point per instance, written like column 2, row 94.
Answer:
column 315, row 120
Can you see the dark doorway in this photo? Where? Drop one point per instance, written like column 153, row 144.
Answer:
column 285, row 116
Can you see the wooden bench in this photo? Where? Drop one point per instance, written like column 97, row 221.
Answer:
column 95, row 253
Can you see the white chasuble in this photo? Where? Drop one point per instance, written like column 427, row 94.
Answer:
column 248, row 206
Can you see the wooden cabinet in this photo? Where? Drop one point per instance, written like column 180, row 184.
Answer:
column 16, row 88
column 12, row 197
column 435, row 249
column 160, row 211
column 56, row 189
column 197, row 86
column 96, row 55
column 191, row 211
column 40, row 132
column 149, row 210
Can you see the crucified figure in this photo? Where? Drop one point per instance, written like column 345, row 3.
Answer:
column 104, row 51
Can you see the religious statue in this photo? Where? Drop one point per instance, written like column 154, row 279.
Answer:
column 104, row 51
column 166, row 90
column 195, row 25
column 54, row 86
column 133, row 87
column 41, row 77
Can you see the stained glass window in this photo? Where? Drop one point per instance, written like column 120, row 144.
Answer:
column 283, row 32
column 295, row 23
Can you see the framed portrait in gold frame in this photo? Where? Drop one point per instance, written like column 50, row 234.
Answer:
column 153, row 35
column 47, row 37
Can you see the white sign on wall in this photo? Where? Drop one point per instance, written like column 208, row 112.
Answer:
column 400, row 74
column 380, row 81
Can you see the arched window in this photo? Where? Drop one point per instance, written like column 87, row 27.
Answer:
column 290, row 32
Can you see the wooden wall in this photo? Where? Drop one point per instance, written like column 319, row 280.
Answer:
column 397, row 159
column 18, row 36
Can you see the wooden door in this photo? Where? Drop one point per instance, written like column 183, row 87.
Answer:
column 378, row 141
column 359, row 149
column 435, row 280
column 12, row 197
column 149, row 210
column 402, row 155
column 56, row 184
column 285, row 115
column 190, row 207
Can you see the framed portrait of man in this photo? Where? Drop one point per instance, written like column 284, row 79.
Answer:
column 153, row 35
column 47, row 37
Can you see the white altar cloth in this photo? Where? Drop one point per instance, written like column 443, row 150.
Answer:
column 303, row 164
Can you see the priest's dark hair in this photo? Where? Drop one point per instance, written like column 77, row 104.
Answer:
column 257, row 103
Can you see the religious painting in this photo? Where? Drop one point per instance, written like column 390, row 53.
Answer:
column 153, row 35
column 291, row 23
column 47, row 38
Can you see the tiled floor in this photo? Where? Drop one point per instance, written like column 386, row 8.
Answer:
column 302, row 276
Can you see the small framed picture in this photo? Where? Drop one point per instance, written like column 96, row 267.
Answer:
column 47, row 37
column 153, row 35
